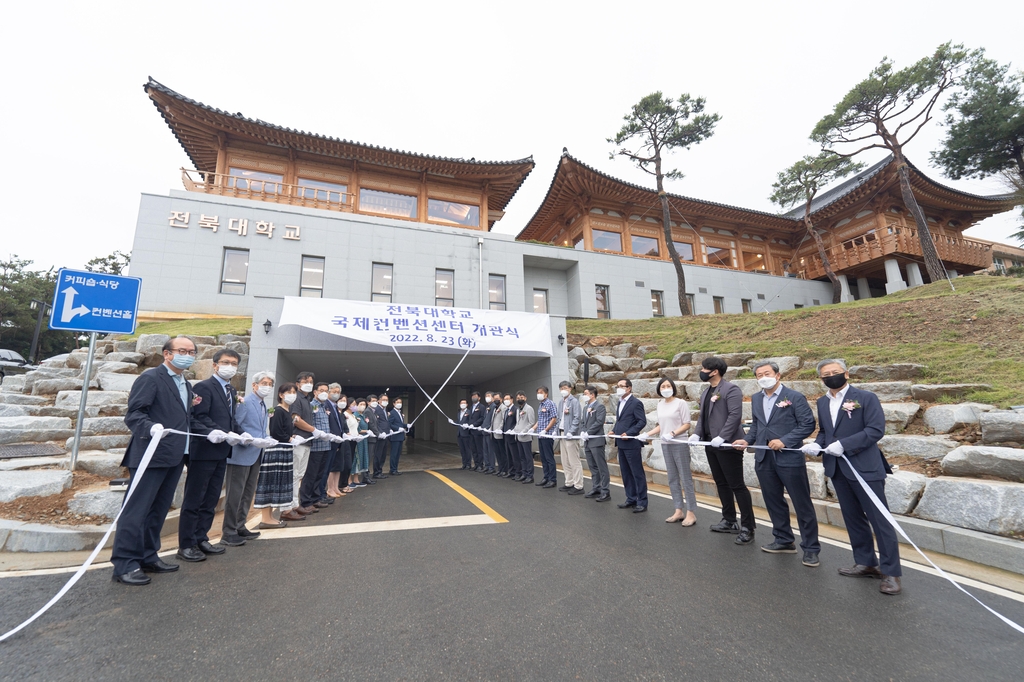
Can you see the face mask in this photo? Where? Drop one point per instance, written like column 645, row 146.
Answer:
column 289, row 398
column 766, row 382
column 398, row 406
column 705, row 375
column 335, row 396
column 476, row 400
column 306, row 388
column 585, row 399
column 264, row 391
column 836, row 381
column 520, row 402
column 541, row 397
column 227, row 371
column 356, row 409
column 462, row 406
column 183, row 361
column 488, row 400
column 620, row 391
column 508, row 403
column 322, row 397
column 666, row 393
column 342, row 404
column 565, row 394
column 373, row 403
column 384, row 403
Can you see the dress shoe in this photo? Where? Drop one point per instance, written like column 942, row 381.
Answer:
column 576, row 491
column 890, row 585
column 190, row 554
column 542, row 483
column 550, row 484
column 626, row 505
column 279, row 524
column 159, row 566
column 779, row 548
column 527, row 481
column 135, row 578
column 463, row 468
column 592, row 493
column 306, row 511
column 369, row 481
column 604, row 497
column 320, row 505
column 565, row 488
column 396, row 473
column 290, row 515
column 206, row 548
column 725, row 526
column 247, row 534
column 811, row 559
column 858, row 571
column 639, row 509
column 380, row 477
column 745, row 537
column 232, row 540
column 328, row 500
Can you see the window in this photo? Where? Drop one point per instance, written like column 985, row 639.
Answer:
column 692, row 301
column 254, row 181
column 540, row 301
column 798, row 306
column 606, row 241
column 444, row 288
column 235, row 271
column 719, row 305
column 311, row 284
column 684, row 249
column 748, row 306
column 452, row 213
column 604, row 311
column 644, row 246
column 381, row 282
column 753, row 261
column 319, row 190
column 657, row 303
column 387, row 203
column 496, row 291
column 718, row 256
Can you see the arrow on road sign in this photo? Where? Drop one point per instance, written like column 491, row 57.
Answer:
column 69, row 311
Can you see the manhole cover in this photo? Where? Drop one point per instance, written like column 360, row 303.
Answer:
column 30, row 450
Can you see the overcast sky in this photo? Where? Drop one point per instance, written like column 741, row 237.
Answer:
column 494, row 81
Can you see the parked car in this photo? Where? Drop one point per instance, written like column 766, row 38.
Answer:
column 12, row 363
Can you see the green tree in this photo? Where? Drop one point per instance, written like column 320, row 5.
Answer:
column 114, row 264
column 801, row 182
column 887, row 110
column 658, row 124
column 19, row 285
column 984, row 122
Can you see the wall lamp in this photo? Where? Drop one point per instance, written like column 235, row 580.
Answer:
column 266, row 327
column 561, row 340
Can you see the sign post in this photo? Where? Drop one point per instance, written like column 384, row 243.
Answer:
column 96, row 303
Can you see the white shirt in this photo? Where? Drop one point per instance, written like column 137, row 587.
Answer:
column 836, row 402
column 623, row 402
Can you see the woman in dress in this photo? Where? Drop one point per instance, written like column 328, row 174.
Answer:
column 342, row 461
column 361, row 462
column 351, row 429
column 673, row 422
column 274, row 487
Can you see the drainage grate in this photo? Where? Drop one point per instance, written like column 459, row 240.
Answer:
column 30, row 450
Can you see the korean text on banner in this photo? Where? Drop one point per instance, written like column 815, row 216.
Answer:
column 389, row 324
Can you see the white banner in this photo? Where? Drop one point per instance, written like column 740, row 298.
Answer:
column 392, row 324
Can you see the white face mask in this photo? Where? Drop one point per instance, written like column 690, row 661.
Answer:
column 342, row 404
column 584, row 398
column 322, row 397
column 619, row 391
column 488, row 400
column 289, row 398
column 541, row 397
column 398, row 406
column 384, row 403
column 767, row 382
column 227, row 371
column 264, row 391
column 508, row 403
column 666, row 393
column 373, row 403
column 565, row 394
column 462, row 406
column 306, row 388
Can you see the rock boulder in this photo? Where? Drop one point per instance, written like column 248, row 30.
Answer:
column 680, row 359
column 946, row 418
column 903, row 490
column 898, row 415
column 787, row 364
column 33, row 483
column 1002, row 427
column 921, row 447
column 897, row 372
column 987, row 506
column 982, row 460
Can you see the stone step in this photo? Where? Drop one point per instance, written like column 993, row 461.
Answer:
column 99, row 442
column 97, row 502
column 982, row 505
column 946, row 418
column 19, row 536
column 14, row 383
column 71, row 399
column 975, row 460
column 22, row 399
column 1002, row 427
column 33, row 483
column 921, row 447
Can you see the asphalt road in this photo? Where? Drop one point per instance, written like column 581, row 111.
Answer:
column 567, row 589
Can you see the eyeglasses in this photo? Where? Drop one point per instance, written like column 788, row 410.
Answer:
column 831, row 374
column 182, row 351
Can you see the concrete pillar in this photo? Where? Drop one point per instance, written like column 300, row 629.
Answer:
column 914, row 278
column 952, row 274
column 863, row 288
column 893, row 277
column 845, row 296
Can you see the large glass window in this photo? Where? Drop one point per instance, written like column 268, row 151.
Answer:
column 311, row 283
column 719, row 257
column 657, row 303
column 496, row 291
column 380, row 287
column 235, row 271
column 540, row 301
column 254, row 181
column 450, row 212
column 644, row 246
column 604, row 310
column 387, row 203
column 606, row 241
column 319, row 190
column 444, row 288
column 684, row 249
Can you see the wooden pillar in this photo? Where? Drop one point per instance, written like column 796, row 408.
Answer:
column 353, row 186
column 588, row 236
column 422, row 200
column 222, row 159
column 485, row 220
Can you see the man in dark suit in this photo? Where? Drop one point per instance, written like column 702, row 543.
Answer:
column 396, row 422
column 476, row 418
column 207, row 460
column 491, row 403
column 851, row 423
column 720, row 422
column 378, row 406
column 159, row 397
column 594, row 414
column 464, row 437
column 630, row 421
column 781, row 420
column 508, row 441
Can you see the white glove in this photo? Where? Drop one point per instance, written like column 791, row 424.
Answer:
column 812, row 449
column 584, row 436
column 835, row 449
column 216, row 436
column 337, row 439
column 246, row 439
column 233, row 439
column 156, row 430
column 693, row 440
column 717, row 442
column 296, row 440
column 317, row 433
column 642, row 437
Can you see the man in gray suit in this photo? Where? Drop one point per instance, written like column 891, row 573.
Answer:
column 721, row 414
column 594, row 415
column 781, row 420
column 526, row 419
column 243, row 466
column 570, row 423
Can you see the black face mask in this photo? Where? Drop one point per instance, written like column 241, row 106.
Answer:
column 705, row 375
column 520, row 403
column 835, row 382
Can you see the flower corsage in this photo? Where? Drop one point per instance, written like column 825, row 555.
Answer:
column 849, row 406
column 196, row 399
column 783, row 403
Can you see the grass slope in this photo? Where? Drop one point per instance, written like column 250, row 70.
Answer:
column 197, row 327
column 973, row 335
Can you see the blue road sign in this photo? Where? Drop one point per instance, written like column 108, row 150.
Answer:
column 95, row 302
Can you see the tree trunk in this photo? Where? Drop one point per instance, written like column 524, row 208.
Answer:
column 932, row 263
column 837, row 288
column 666, row 226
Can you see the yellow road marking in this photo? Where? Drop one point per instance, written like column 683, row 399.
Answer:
column 498, row 518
